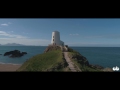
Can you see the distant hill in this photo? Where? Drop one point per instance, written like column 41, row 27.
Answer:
column 13, row 44
column 16, row 44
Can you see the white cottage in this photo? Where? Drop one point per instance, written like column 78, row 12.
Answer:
column 56, row 39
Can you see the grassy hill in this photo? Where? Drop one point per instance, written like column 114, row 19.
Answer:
column 49, row 61
column 53, row 60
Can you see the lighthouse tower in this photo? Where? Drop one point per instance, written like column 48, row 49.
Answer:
column 56, row 39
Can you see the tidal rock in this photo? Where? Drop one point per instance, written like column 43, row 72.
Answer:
column 15, row 53
column 24, row 52
column 96, row 66
column 107, row 69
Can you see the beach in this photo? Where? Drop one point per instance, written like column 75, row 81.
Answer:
column 9, row 67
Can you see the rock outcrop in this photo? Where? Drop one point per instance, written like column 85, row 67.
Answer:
column 107, row 69
column 52, row 47
column 79, row 58
column 15, row 53
column 96, row 66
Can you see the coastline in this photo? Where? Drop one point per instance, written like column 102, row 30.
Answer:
column 9, row 67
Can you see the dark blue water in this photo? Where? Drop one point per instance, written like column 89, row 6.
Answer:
column 104, row 56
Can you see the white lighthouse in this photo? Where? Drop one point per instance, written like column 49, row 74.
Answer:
column 56, row 39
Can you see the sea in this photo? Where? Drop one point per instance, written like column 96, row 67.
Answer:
column 103, row 56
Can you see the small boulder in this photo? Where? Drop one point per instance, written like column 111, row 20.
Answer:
column 107, row 69
column 24, row 52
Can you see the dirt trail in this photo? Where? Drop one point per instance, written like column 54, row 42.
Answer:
column 70, row 63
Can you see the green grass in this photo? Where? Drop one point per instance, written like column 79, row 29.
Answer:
column 66, row 69
column 43, row 61
column 82, row 67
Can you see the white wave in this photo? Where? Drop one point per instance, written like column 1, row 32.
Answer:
column 10, row 63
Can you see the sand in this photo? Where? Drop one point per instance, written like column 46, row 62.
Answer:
column 9, row 67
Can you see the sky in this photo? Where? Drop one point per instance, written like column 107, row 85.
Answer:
column 95, row 32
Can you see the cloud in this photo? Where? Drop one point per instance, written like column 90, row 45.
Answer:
column 93, row 44
column 25, row 33
column 4, row 24
column 93, row 36
column 12, row 38
column 25, row 41
column 3, row 33
column 9, row 23
column 74, row 34
column 108, row 36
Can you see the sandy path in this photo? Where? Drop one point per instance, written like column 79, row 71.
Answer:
column 70, row 63
column 9, row 67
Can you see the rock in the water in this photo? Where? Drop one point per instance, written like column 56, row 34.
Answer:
column 15, row 53
column 107, row 69
column 24, row 52
column 96, row 66
column 7, row 53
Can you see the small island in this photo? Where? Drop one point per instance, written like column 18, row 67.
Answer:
column 58, row 57
column 15, row 53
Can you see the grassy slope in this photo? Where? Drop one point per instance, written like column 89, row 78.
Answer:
column 43, row 61
column 49, row 60
column 82, row 67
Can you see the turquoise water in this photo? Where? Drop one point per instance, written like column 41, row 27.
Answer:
column 104, row 56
